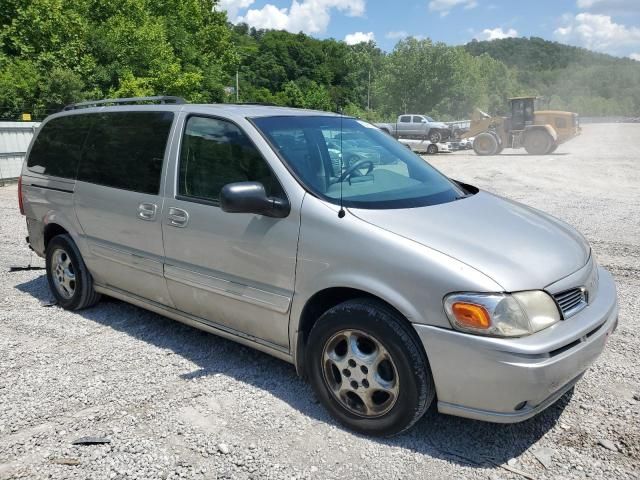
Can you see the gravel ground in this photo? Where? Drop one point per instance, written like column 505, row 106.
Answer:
column 178, row 403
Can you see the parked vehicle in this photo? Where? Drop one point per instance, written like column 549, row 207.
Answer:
column 463, row 144
column 417, row 126
column 381, row 282
column 425, row 146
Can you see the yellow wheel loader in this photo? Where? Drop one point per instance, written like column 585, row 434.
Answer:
column 539, row 132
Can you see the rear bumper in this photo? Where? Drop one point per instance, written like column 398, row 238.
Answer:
column 511, row 380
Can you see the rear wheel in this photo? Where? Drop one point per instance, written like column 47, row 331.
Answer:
column 485, row 144
column 368, row 369
column 68, row 277
column 538, row 142
column 432, row 149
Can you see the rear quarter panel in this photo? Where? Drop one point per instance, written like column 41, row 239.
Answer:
column 46, row 200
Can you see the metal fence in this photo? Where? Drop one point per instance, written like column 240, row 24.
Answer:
column 14, row 141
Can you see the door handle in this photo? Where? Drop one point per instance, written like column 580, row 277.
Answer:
column 177, row 217
column 147, row 211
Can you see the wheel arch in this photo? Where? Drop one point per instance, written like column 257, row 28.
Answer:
column 52, row 230
column 53, row 223
column 322, row 301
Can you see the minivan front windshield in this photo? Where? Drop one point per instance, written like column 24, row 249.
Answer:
column 336, row 156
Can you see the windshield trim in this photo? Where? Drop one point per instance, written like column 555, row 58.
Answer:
column 416, row 202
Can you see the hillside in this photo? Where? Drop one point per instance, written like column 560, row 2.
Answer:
column 538, row 54
column 572, row 78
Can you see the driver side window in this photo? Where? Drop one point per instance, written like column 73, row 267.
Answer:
column 216, row 152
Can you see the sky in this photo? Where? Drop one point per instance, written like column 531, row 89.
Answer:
column 608, row 26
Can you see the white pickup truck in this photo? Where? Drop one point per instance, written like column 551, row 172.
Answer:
column 417, row 126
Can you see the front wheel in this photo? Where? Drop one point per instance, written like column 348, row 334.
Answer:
column 435, row 136
column 69, row 280
column 432, row 149
column 485, row 144
column 368, row 369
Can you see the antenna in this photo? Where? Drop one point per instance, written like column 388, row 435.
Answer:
column 341, row 212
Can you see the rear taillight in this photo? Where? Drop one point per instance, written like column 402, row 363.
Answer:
column 20, row 202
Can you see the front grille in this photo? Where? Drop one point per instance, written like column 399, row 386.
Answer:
column 571, row 301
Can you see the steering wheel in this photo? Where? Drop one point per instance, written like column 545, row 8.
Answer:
column 353, row 168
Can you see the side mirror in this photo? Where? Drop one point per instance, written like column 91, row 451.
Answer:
column 251, row 197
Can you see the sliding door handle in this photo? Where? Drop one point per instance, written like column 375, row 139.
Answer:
column 147, row 211
column 177, row 217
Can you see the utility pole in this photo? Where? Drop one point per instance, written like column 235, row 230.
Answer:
column 369, row 91
column 238, row 84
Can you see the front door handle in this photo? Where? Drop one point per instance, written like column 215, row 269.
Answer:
column 177, row 217
column 147, row 211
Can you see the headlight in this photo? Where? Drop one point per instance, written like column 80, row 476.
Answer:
column 501, row 314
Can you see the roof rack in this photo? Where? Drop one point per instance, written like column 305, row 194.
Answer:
column 127, row 101
column 263, row 104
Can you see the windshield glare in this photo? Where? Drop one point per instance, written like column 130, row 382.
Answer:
column 333, row 156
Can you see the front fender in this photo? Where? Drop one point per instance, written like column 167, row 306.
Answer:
column 351, row 253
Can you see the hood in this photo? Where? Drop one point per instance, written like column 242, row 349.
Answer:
column 518, row 247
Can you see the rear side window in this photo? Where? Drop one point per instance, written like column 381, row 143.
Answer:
column 125, row 150
column 405, row 119
column 56, row 150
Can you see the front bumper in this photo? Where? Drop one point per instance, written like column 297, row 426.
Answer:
column 510, row 380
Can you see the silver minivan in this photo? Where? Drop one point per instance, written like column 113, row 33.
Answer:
column 388, row 285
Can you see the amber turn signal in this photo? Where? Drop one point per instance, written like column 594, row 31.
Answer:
column 471, row 316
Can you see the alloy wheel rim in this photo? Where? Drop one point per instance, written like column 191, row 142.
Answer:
column 63, row 273
column 360, row 373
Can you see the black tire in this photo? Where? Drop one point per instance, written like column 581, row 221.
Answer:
column 415, row 387
column 485, row 144
column 432, row 149
column 83, row 294
column 435, row 136
column 553, row 149
column 538, row 142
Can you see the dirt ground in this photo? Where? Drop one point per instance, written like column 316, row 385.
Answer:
column 178, row 403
